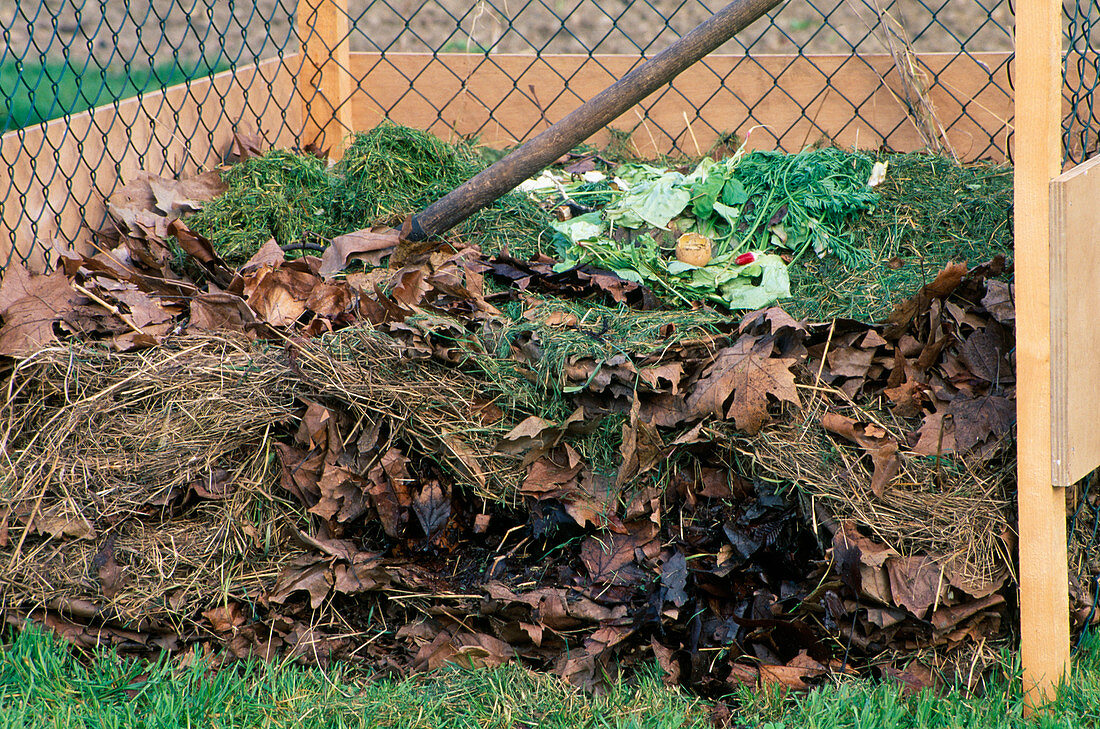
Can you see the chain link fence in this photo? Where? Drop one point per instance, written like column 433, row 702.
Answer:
column 1081, row 125
column 63, row 56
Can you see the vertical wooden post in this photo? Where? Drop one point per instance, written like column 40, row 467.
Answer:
column 325, row 81
column 1044, row 592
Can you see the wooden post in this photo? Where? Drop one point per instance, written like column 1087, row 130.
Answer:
column 1044, row 591
column 325, row 82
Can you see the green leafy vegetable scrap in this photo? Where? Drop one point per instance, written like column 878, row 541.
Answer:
column 771, row 205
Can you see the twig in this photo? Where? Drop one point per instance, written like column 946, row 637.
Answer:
column 111, row 308
column 687, row 123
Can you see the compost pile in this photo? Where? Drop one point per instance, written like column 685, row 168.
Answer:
column 472, row 453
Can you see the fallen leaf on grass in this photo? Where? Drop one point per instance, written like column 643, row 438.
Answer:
column 64, row 519
column 301, row 472
column 555, row 472
column 674, row 579
column 307, row 574
column 916, row 583
column 226, row 617
column 270, row 255
column 202, row 250
column 1000, row 301
column 606, row 555
column 432, row 508
column 908, row 398
column 110, row 574
column 221, row 312
column 936, row 436
column 176, row 197
column 278, row 296
column 328, row 300
column 667, row 662
column 946, row 281
column 369, row 245
column 860, row 563
column 964, row 424
column 765, row 675
column 343, row 495
column 914, row 678
column 985, row 354
column 145, row 310
column 642, row 448
column 144, row 206
column 247, row 143
column 390, row 492
column 950, row 617
column 535, row 435
column 850, row 361
column 976, row 419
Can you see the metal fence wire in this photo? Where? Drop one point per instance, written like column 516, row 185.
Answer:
column 1081, row 72
column 62, row 56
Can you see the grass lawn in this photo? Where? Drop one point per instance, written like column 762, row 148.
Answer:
column 43, row 685
column 33, row 92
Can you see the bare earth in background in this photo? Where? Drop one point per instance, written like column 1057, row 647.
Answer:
column 140, row 30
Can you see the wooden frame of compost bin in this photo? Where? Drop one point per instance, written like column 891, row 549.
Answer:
column 327, row 91
column 1049, row 398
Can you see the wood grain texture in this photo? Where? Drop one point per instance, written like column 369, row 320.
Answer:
column 1074, row 300
column 505, row 99
column 1044, row 590
column 54, row 177
column 324, row 75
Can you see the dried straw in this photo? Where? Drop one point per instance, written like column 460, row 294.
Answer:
column 960, row 509
column 108, row 453
column 101, row 448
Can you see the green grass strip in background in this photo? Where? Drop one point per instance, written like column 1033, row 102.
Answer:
column 34, row 92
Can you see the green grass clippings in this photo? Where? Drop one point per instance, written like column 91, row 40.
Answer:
column 385, row 175
column 931, row 212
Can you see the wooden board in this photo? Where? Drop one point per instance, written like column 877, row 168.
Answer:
column 504, row 99
column 1044, row 588
column 323, row 75
column 1075, row 340
column 54, row 177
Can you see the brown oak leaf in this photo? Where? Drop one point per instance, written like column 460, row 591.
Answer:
column 744, row 377
column 606, row 555
column 978, row 418
column 390, row 491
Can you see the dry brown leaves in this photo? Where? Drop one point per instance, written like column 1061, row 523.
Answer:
column 679, row 554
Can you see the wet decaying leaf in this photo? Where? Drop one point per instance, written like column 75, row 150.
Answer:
column 631, row 519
